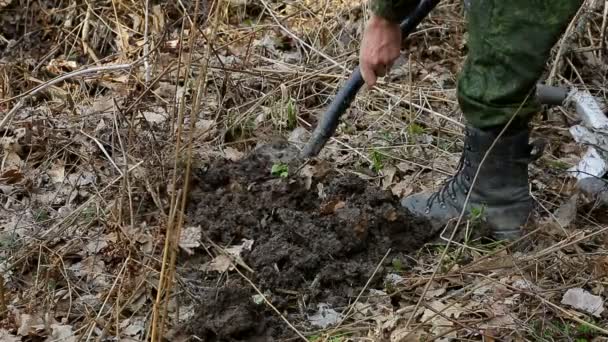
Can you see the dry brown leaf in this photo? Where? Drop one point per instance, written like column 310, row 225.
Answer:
column 434, row 293
column 566, row 213
column 298, row 136
column 580, row 299
column 28, row 324
column 133, row 326
column 11, row 161
column 331, row 206
column 391, row 215
column 156, row 115
column 453, row 311
column 96, row 245
column 60, row 66
column 190, row 237
column 307, row 172
column 60, row 332
column 233, row 154
column 406, row 335
column 206, row 128
column 402, row 188
column 11, row 177
column 502, row 322
column 81, row 178
column 5, row 335
column 57, row 172
column 223, row 262
column 600, row 266
column 94, row 269
column 4, row 3
column 388, row 174
column 443, row 327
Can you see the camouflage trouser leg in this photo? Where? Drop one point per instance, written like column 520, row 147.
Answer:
column 509, row 44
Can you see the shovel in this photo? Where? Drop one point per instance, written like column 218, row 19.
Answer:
column 331, row 118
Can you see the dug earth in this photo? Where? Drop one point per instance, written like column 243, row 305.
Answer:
column 311, row 241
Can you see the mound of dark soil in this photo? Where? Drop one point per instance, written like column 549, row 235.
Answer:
column 310, row 246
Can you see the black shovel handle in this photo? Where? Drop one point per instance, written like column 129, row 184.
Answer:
column 331, row 118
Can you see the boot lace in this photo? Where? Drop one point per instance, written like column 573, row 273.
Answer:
column 448, row 187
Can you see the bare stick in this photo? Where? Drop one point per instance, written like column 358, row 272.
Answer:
column 603, row 29
column 147, row 42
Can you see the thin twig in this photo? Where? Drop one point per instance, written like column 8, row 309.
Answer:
column 147, row 41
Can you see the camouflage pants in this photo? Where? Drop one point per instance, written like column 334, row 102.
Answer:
column 508, row 46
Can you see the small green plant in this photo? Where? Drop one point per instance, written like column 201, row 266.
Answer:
column 397, row 265
column 238, row 128
column 415, row 129
column 280, row 170
column 377, row 161
column 559, row 165
column 41, row 215
column 477, row 214
column 284, row 114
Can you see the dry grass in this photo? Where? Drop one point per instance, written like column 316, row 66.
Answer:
column 95, row 165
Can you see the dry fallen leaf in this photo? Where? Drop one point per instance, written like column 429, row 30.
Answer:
column 11, row 161
column 206, row 128
column 4, row 3
column 566, row 213
column 60, row 66
column 406, row 335
column 402, row 188
column 223, row 262
column 133, row 326
column 62, row 333
column 324, row 317
column 82, row 178
column 434, row 293
column 94, row 269
column 5, row 335
column 583, row 300
column 96, row 245
column 233, row 154
column 444, row 328
column 453, row 311
column 190, row 237
column 331, row 206
column 500, row 322
column 157, row 115
column 600, row 266
column 388, row 174
column 28, row 324
column 11, row 177
column 57, row 172
column 298, row 136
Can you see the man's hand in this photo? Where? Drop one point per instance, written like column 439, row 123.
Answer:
column 379, row 48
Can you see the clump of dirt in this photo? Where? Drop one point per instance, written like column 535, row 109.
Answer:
column 316, row 244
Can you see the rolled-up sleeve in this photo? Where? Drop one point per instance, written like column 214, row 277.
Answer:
column 393, row 10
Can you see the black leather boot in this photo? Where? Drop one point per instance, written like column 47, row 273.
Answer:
column 500, row 192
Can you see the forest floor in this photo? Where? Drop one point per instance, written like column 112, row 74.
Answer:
column 149, row 188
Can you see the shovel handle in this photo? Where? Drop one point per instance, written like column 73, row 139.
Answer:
column 329, row 121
